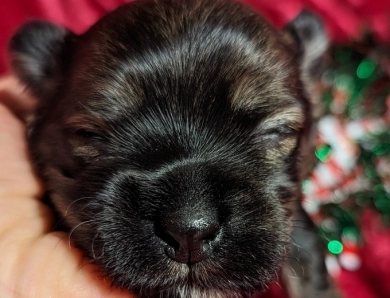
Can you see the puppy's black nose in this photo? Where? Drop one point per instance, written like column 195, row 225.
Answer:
column 189, row 238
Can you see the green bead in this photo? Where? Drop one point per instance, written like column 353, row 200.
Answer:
column 381, row 149
column 379, row 189
column 365, row 69
column 323, row 152
column 382, row 204
column 370, row 172
column 335, row 247
column 351, row 233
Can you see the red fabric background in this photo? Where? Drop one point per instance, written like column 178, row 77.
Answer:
column 345, row 19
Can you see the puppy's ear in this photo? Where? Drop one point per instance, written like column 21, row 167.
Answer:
column 311, row 39
column 40, row 52
column 309, row 36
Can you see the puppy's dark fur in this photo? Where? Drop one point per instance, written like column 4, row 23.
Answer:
column 171, row 137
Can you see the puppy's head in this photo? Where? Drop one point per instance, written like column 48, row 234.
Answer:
column 169, row 136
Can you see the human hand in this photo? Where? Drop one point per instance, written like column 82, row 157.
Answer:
column 34, row 260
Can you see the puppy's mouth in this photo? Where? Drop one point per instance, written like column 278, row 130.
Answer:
column 197, row 280
column 202, row 280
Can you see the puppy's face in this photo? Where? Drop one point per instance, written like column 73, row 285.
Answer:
column 169, row 137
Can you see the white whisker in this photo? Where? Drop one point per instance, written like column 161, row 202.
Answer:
column 70, row 234
column 70, row 205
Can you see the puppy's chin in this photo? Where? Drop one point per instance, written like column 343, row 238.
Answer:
column 194, row 292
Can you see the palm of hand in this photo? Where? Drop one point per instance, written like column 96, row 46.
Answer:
column 35, row 262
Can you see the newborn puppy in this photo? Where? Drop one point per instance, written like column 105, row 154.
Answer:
column 171, row 137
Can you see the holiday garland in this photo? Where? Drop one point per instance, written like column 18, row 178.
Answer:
column 353, row 150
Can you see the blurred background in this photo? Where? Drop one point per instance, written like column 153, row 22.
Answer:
column 348, row 193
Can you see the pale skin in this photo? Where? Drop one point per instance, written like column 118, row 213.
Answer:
column 35, row 262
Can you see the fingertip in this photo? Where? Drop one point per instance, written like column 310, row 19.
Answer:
column 16, row 97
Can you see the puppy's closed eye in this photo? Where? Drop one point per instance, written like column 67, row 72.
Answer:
column 88, row 135
column 286, row 119
column 278, row 133
column 85, row 129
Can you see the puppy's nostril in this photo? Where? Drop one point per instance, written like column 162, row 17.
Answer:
column 188, row 240
column 168, row 238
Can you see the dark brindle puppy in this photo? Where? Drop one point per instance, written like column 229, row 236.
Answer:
column 171, row 137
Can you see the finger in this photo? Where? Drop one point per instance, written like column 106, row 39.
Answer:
column 47, row 267
column 16, row 97
column 39, row 263
column 17, row 177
